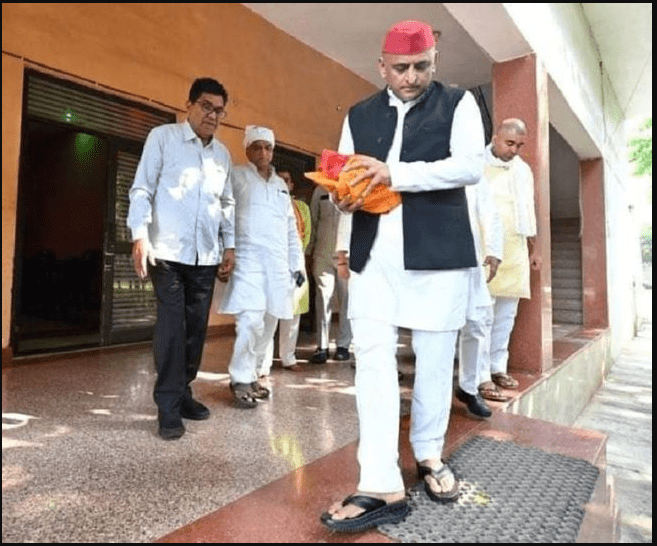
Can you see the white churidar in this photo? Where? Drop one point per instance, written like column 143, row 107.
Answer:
column 254, row 331
column 499, row 332
column 377, row 397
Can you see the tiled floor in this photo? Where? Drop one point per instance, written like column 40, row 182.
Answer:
column 82, row 461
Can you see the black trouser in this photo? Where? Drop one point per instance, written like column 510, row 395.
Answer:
column 184, row 296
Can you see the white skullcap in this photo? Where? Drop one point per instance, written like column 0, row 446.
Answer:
column 253, row 133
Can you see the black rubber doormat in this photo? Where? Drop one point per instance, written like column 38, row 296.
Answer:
column 508, row 493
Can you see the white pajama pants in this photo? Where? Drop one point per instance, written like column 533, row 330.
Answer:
column 377, row 399
column 474, row 352
column 288, row 335
column 254, row 331
column 498, row 331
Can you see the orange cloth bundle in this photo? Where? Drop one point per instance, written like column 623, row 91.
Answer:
column 331, row 178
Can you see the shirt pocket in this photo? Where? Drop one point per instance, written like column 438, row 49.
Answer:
column 215, row 177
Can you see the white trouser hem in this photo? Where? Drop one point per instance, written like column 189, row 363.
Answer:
column 377, row 399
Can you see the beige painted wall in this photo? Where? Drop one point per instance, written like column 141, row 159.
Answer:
column 152, row 52
column 12, row 86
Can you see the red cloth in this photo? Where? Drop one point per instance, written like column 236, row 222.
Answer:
column 408, row 38
column 331, row 163
column 332, row 179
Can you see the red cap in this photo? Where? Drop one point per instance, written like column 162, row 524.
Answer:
column 408, row 38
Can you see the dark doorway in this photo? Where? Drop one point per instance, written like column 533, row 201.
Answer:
column 297, row 163
column 63, row 192
column 74, row 285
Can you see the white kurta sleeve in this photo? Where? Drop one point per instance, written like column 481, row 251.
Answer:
column 493, row 243
column 527, row 214
column 346, row 146
column 227, row 225
column 295, row 252
column 465, row 164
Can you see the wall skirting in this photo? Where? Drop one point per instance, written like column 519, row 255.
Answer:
column 561, row 394
column 7, row 357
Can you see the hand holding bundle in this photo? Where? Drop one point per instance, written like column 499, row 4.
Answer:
column 335, row 179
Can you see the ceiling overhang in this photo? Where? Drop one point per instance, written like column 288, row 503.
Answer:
column 351, row 34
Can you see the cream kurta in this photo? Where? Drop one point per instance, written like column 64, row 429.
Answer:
column 384, row 290
column 267, row 246
column 512, row 279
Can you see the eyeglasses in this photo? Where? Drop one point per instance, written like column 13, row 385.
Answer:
column 208, row 108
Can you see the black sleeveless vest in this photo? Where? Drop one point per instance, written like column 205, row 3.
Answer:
column 437, row 233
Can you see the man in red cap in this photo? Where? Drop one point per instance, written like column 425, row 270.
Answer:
column 408, row 268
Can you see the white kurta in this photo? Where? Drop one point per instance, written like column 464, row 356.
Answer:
column 384, row 290
column 267, row 246
column 488, row 238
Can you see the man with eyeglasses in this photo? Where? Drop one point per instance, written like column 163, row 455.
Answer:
column 182, row 221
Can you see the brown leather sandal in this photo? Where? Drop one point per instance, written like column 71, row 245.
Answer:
column 489, row 391
column 243, row 395
column 258, row 391
column 505, row 381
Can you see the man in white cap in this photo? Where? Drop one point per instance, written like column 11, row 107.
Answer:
column 268, row 263
column 409, row 268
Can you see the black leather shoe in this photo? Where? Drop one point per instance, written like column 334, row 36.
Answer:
column 191, row 409
column 320, row 357
column 170, row 426
column 341, row 353
column 475, row 403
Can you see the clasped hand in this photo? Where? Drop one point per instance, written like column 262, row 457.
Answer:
column 378, row 173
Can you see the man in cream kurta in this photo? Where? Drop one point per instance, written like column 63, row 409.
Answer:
column 512, row 185
column 268, row 261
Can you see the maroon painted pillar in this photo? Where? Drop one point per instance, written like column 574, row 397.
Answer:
column 520, row 90
column 594, row 254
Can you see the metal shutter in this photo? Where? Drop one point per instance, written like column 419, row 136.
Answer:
column 133, row 300
column 67, row 103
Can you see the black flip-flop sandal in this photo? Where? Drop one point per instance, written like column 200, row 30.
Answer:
column 377, row 512
column 443, row 496
column 243, row 395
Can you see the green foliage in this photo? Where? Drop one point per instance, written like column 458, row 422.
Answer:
column 641, row 150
